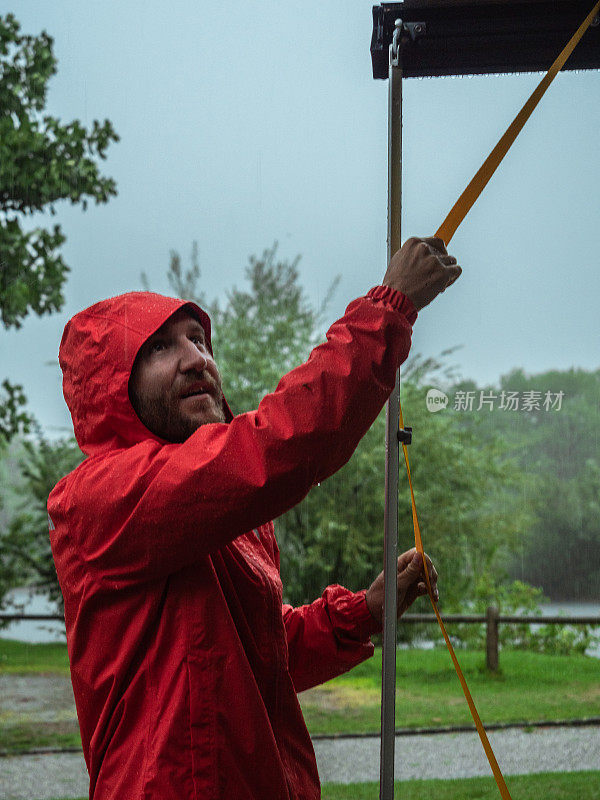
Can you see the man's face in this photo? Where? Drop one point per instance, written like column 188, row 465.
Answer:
column 175, row 385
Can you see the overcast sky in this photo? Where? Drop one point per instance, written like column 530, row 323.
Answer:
column 242, row 124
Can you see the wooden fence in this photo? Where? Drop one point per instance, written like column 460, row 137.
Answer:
column 492, row 620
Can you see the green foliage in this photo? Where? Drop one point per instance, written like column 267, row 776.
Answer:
column 261, row 333
column 520, row 598
column 462, row 491
column 335, row 534
column 561, row 640
column 563, row 549
column 25, row 556
column 12, row 417
column 557, row 450
column 41, row 161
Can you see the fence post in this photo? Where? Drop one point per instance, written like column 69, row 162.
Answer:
column 492, row 638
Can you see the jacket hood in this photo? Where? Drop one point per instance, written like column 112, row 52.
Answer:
column 97, row 352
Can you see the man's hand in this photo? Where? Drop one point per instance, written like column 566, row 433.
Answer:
column 410, row 581
column 421, row 270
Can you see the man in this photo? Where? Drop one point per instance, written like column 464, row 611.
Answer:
column 185, row 663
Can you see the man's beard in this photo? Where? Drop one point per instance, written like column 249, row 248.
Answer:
column 168, row 422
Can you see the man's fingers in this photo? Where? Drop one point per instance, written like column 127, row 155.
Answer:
column 412, row 562
column 433, row 577
column 451, row 269
column 432, row 571
column 453, row 273
column 405, row 559
column 410, row 566
column 436, row 243
column 411, row 572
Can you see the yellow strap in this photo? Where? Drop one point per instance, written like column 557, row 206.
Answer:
column 476, row 718
column 447, row 230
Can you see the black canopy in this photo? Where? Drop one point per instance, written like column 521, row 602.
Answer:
column 459, row 37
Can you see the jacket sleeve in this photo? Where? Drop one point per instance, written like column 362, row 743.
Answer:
column 146, row 511
column 328, row 637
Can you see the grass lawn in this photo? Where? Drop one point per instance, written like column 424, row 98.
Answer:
column 20, row 658
column 558, row 786
column 20, row 737
column 528, row 687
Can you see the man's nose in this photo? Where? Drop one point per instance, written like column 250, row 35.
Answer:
column 192, row 357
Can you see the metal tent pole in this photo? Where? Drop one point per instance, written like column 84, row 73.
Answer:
column 388, row 672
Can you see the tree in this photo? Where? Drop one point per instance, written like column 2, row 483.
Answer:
column 25, row 556
column 563, row 546
column 260, row 334
column 12, row 416
column 462, row 491
column 554, row 439
column 41, row 161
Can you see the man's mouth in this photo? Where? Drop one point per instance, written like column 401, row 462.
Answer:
column 196, row 390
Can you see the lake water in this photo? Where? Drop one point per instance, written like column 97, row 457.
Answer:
column 54, row 631
column 48, row 631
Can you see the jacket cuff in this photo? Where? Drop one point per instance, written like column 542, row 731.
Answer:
column 365, row 623
column 394, row 298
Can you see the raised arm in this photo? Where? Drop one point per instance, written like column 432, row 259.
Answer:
column 148, row 510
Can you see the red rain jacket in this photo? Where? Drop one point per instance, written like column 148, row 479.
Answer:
column 184, row 662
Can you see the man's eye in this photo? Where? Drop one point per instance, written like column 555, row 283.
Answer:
column 198, row 340
column 156, row 347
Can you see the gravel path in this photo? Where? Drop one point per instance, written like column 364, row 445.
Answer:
column 460, row 755
column 448, row 755
column 43, row 777
column 36, row 698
